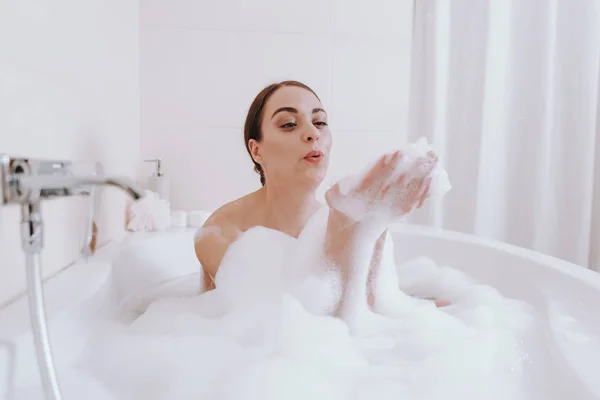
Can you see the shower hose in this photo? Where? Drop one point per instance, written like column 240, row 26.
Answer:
column 39, row 326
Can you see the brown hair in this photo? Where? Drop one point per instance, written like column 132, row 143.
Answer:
column 255, row 116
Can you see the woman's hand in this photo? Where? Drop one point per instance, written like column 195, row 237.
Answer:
column 382, row 193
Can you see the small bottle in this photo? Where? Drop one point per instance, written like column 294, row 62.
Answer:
column 158, row 183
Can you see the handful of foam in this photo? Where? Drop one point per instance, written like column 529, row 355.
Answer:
column 356, row 208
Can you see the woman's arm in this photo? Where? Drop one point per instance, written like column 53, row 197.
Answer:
column 210, row 249
column 377, row 274
column 210, row 244
column 353, row 249
column 358, row 254
column 375, row 268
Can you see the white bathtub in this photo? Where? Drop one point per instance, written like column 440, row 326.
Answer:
column 74, row 295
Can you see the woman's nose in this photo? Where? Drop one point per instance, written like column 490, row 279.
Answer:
column 311, row 134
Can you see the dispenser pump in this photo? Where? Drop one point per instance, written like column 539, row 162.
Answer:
column 158, row 183
column 158, row 162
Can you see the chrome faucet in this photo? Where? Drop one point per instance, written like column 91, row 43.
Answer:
column 26, row 182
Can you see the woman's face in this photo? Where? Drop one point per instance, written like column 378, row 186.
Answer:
column 296, row 140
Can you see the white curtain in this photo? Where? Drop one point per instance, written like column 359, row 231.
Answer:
column 509, row 94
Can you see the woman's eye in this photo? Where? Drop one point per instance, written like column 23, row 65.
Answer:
column 320, row 123
column 288, row 125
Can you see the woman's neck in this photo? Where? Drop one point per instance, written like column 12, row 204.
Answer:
column 288, row 209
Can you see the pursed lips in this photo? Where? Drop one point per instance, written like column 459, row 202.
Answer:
column 314, row 154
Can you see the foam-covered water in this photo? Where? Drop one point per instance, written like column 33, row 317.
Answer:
column 264, row 333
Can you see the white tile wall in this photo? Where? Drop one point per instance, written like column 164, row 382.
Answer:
column 69, row 88
column 380, row 18
column 369, row 84
column 209, row 78
column 283, row 16
column 203, row 62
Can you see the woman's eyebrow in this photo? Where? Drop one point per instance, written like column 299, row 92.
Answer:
column 295, row 111
column 289, row 109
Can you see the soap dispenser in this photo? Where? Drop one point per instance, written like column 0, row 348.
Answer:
column 158, row 183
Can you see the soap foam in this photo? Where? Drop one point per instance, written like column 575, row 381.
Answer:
column 413, row 164
column 254, row 337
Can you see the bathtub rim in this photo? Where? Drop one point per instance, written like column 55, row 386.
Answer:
column 580, row 273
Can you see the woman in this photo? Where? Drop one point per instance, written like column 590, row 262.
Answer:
column 289, row 141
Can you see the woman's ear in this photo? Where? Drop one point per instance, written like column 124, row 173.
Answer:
column 254, row 148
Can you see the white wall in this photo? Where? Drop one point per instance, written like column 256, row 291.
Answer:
column 69, row 88
column 202, row 63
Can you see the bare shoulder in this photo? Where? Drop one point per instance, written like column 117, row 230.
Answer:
column 224, row 222
column 220, row 230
